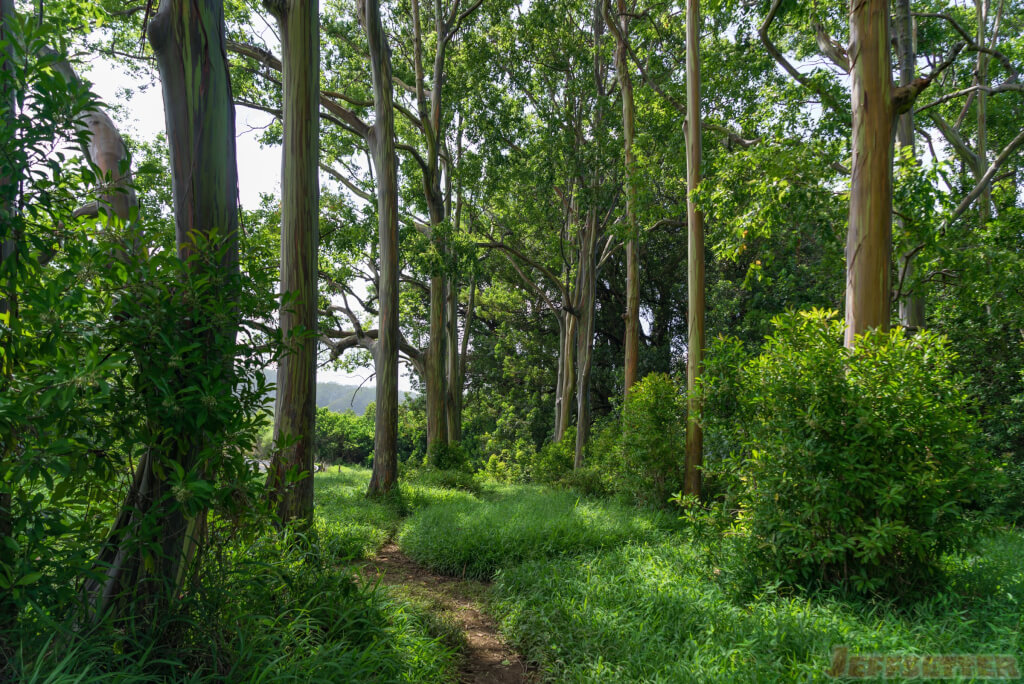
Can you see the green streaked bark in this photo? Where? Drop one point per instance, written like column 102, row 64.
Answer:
column 290, row 479
column 382, row 144
column 188, row 40
column 694, row 254
column 869, row 237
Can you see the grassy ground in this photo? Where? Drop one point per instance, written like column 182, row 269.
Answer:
column 590, row 590
column 597, row 592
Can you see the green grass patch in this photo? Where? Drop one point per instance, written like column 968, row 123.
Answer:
column 663, row 613
column 473, row 538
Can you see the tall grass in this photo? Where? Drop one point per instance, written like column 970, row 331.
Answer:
column 662, row 614
column 473, row 538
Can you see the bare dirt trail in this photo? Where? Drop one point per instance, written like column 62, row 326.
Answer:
column 487, row 659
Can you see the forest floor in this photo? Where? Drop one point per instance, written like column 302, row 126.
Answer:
column 487, row 659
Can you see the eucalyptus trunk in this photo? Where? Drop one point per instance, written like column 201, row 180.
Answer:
column 566, row 390
column 869, row 237
column 911, row 304
column 586, row 277
column 985, row 198
column 694, row 254
column 150, row 551
column 290, row 478
column 587, row 289
column 382, row 144
column 632, row 315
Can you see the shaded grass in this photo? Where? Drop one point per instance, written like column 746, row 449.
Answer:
column 474, row 538
column 661, row 614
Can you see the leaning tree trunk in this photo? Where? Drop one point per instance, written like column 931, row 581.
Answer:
column 911, row 304
column 382, row 144
column 149, row 553
column 695, row 254
column 869, row 237
column 290, row 479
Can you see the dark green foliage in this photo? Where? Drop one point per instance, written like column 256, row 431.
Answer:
column 861, row 463
column 474, row 538
column 268, row 609
column 343, row 437
column 653, row 439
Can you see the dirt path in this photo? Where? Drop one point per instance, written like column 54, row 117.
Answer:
column 487, row 658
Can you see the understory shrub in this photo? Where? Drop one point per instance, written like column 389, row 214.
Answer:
column 343, row 437
column 653, row 439
column 860, row 463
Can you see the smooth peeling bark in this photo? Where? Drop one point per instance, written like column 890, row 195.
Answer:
column 566, row 392
column 585, row 338
column 290, row 480
column 911, row 304
column 869, row 237
column 985, row 198
column 631, row 340
column 437, row 425
column 695, row 254
column 382, row 144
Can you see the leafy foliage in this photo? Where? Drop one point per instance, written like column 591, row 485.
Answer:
column 860, row 465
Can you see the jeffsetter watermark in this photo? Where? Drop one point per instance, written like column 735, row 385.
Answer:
column 902, row 666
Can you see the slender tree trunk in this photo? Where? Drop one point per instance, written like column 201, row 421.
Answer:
column 566, row 392
column 585, row 337
column 453, row 387
column 695, row 253
column 869, row 240
column 382, row 143
column 632, row 315
column 985, row 198
column 290, row 480
column 437, row 433
column 911, row 305
column 188, row 41
column 587, row 274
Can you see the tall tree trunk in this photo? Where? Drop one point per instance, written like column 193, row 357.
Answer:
column 694, row 253
column 382, row 143
column 290, row 479
column 869, row 237
column 911, row 304
column 632, row 315
column 566, row 391
column 452, row 386
column 188, row 41
column 985, row 198
column 586, row 282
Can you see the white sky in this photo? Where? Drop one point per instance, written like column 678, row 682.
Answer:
column 259, row 167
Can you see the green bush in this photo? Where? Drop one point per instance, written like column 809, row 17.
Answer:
column 861, row 461
column 653, row 439
column 474, row 538
column 343, row 437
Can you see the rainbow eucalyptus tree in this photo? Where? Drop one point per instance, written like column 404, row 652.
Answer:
column 290, row 481
column 149, row 555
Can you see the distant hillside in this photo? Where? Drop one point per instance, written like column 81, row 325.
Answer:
column 342, row 398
